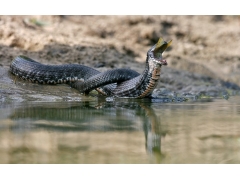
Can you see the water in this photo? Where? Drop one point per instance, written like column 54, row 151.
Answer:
column 121, row 131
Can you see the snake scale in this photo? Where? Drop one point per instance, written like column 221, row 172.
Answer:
column 120, row 82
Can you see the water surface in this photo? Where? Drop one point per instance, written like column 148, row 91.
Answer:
column 122, row 131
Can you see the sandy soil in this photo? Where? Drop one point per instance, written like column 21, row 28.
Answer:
column 205, row 49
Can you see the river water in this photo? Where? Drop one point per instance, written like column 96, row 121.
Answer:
column 121, row 131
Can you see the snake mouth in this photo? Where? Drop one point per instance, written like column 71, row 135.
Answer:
column 163, row 62
column 160, row 47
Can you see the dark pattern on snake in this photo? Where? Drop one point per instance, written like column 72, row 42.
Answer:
column 129, row 82
column 28, row 69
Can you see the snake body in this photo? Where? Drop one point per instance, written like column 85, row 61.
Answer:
column 117, row 82
column 29, row 69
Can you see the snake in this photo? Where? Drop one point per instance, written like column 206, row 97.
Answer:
column 119, row 82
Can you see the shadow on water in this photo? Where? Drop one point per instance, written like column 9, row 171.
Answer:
column 88, row 117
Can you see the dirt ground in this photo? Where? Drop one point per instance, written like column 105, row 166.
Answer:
column 205, row 52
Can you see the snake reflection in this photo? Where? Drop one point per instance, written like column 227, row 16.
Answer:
column 101, row 116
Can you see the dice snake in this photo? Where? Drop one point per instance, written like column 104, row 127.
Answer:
column 121, row 82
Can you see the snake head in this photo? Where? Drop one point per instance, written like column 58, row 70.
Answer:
column 155, row 53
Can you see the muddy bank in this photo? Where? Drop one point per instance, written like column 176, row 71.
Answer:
column 203, row 59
